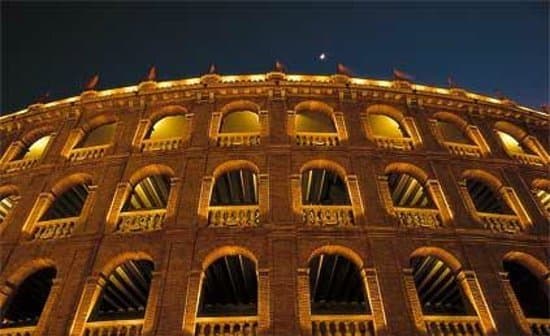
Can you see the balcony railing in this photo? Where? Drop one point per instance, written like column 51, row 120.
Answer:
column 234, row 216
column 227, row 326
column 463, row 149
column 528, row 159
column 88, row 153
column 114, row 328
column 328, row 215
column 55, row 228
column 539, row 326
column 18, row 331
column 394, row 143
column 415, row 217
column 317, row 139
column 20, row 164
column 140, row 220
column 238, row 139
column 500, row 222
column 453, row 326
column 148, row 145
column 340, row 325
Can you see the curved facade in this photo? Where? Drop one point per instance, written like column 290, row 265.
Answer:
column 275, row 204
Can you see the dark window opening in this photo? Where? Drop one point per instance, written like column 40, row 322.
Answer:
column 323, row 187
column 68, row 204
column 150, row 193
column 407, row 191
column 533, row 299
column 236, row 187
column 485, row 199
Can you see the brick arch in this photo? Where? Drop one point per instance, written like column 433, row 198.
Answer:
column 448, row 258
column 234, row 165
column 511, row 129
column 227, row 250
column 341, row 250
column 492, row 181
column 67, row 182
column 117, row 260
column 99, row 120
column 240, row 105
column 314, row 105
column 534, row 265
column 387, row 110
column 30, row 137
column 451, row 118
column 149, row 170
column 8, row 190
column 165, row 111
column 325, row 164
column 28, row 268
column 407, row 168
column 541, row 183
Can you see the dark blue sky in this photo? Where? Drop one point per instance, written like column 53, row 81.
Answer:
column 485, row 47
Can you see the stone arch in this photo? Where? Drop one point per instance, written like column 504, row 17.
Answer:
column 451, row 118
column 541, row 183
column 325, row 164
column 28, row 268
column 99, row 120
column 238, row 105
column 492, row 181
column 107, row 268
column 234, row 165
column 407, row 168
column 314, row 105
column 344, row 251
column 448, row 258
column 165, row 111
column 227, row 250
column 387, row 110
column 149, row 170
column 534, row 265
column 9, row 190
column 67, row 182
column 30, row 137
column 511, row 129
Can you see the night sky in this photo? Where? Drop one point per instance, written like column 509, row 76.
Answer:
column 495, row 46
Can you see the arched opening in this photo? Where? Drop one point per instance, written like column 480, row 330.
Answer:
column 438, row 288
column 336, row 286
column 511, row 144
column 386, row 126
column 322, row 186
column 314, row 121
column 7, row 202
column 168, row 127
column 485, row 198
column 149, row 193
column 98, row 136
column 125, row 293
column 240, row 121
column 541, row 191
column 229, row 288
column 35, row 150
column 452, row 133
column 235, row 187
column 25, row 305
column 530, row 291
column 407, row 191
column 68, row 204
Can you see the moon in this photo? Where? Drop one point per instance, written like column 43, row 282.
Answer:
column 322, row 57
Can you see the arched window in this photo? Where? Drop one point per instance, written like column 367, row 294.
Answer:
column 529, row 290
column 314, row 121
column 168, row 127
column 519, row 145
column 485, row 198
column 406, row 191
column 240, row 122
column 7, row 202
column 452, row 133
column 149, row 193
column 101, row 135
column 315, row 124
column 35, row 150
column 511, row 144
column 385, row 126
column 68, row 204
column 541, row 190
column 125, row 293
column 323, row 187
column 389, row 128
column 25, row 305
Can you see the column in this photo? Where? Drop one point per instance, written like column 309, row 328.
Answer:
column 44, row 321
column 304, row 301
column 153, row 303
column 204, row 201
column 341, row 127
column 264, row 302
column 122, row 191
column 142, row 128
column 356, row 199
column 86, row 210
column 264, row 126
column 90, row 294
column 291, row 125
column 193, row 297
column 434, row 188
column 44, row 200
column 414, row 301
column 215, row 123
column 469, row 283
column 263, row 197
column 370, row 279
column 514, row 305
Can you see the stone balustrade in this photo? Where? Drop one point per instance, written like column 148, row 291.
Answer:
column 453, row 325
column 88, row 153
column 114, row 328
column 227, row 326
column 55, row 228
column 539, row 326
column 18, row 331
column 418, row 217
column 500, row 222
column 238, row 139
column 20, row 164
column 528, row 159
column 463, row 149
column 148, row 145
column 342, row 325
column 234, row 216
column 394, row 143
column 328, row 215
column 317, row 139
column 140, row 220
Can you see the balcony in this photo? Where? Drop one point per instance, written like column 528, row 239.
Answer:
column 339, row 325
column 538, row 326
column 227, row 326
column 328, row 215
column 112, row 328
column 418, row 218
column 500, row 222
column 140, row 221
column 463, row 149
column 88, row 153
column 238, row 139
column 317, row 139
column 527, row 159
column 55, row 228
column 453, row 326
column 149, row 145
column 405, row 144
column 20, row 164
column 234, row 216
column 18, row 331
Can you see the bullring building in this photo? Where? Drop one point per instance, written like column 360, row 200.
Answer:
column 275, row 205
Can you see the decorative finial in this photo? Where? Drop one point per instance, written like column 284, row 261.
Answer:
column 212, row 69
column 152, row 74
column 343, row 70
column 451, row 83
column 92, row 83
column 279, row 67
